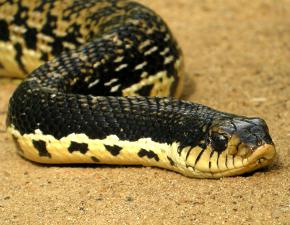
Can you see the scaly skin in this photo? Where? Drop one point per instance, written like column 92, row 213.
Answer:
column 75, row 108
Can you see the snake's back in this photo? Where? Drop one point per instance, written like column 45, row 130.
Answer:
column 94, row 67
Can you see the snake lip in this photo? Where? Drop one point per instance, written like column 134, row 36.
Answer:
column 261, row 157
column 264, row 154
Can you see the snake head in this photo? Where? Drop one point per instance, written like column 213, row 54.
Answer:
column 232, row 146
column 242, row 144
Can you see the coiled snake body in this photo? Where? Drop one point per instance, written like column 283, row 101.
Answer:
column 91, row 64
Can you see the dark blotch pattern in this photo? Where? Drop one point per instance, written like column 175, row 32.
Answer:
column 4, row 31
column 144, row 91
column 81, row 147
column 30, row 38
column 198, row 157
column 114, row 150
column 95, row 159
column 41, row 148
column 19, row 51
column 172, row 163
column 150, row 154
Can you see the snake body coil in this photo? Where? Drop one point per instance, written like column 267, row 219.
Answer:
column 84, row 103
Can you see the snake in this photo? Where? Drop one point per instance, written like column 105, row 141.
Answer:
column 102, row 81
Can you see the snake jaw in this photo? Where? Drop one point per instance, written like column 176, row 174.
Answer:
column 263, row 155
column 255, row 159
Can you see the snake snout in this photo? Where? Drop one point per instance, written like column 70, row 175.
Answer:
column 255, row 133
column 248, row 133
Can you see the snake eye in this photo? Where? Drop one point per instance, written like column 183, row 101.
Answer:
column 218, row 141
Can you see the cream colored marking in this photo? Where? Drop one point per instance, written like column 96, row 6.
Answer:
column 213, row 160
column 144, row 44
column 245, row 161
column 151, row 50
column 144, row 74
column 117, row 41
column 193, row 155
column 134, row 21
column 64, row 25
column 7, row 12
column 161, row 87
column 93, row 83
column 97, row 64
column 44, row 42
column 165, row 51
column 68, row 45
column 222, row 161
column 179, row 66
column 119, row 59
column 81, row 40
column 36, row 19
column 203, row 162
column 74, row 81
column 87, row 78
column 150, row 31
column 17, row 33
column 31, row 59
column 230, row 161
column 160, row 81
column 11, row 67
column 168, row 60
column 140, row 66
column 60, row 154
column 121, row 67
column 83, row 57
column 115, row 88
column 111, row 82
column 167, row 37
column 238, row 161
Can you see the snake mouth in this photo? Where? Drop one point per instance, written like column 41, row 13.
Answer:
column 262, row 154
column 261, row 157
column 232, row 165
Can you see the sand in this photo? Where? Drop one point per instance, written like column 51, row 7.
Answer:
column 237, row 60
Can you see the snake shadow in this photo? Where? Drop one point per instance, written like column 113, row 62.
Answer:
column 189, row 86
column 77, row 165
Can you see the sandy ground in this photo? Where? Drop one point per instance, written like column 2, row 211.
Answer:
column 237, row 59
